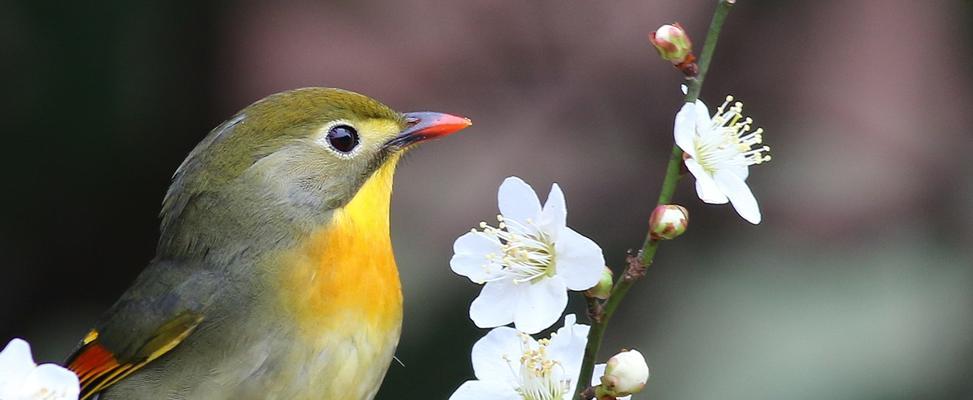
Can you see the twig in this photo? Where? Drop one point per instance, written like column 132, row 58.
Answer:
column 638, row 263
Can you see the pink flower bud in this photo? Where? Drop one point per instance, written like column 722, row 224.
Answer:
column 673, row 44
column 668, row 221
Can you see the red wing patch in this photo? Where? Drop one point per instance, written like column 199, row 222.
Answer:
column 96, row 367
column 91, row 361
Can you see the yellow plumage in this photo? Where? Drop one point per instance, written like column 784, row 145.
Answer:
column 342, row 289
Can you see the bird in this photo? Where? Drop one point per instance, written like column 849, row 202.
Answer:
column 274, row 275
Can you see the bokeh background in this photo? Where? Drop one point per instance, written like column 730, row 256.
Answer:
column 857, row 285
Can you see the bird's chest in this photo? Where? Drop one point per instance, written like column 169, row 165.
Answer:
column 341, row 296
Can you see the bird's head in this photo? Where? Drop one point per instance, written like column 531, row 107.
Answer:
column 286, row 161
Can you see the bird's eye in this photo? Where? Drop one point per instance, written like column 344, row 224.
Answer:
column 343, row 138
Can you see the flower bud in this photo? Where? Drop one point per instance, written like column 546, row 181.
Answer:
column 625, row 374
column 673, row 44
column 668, row 221
column 604, row 287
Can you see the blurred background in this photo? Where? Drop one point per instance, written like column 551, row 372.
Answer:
column 857, row 285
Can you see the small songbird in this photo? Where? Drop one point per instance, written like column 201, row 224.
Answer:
column 274, row 276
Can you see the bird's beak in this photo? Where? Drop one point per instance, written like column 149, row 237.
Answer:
column 424, row 126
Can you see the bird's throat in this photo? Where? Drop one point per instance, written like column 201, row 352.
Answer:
column 344, row 277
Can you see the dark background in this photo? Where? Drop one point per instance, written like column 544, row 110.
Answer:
column 857, row 285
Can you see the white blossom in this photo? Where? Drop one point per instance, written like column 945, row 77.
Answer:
column 720, row 149
column 528, row 262
column 511, row 365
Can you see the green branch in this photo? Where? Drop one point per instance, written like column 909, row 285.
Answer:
column 638, row 263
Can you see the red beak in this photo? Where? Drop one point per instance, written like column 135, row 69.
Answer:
column 429, row 125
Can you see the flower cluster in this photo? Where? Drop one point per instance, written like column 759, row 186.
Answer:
column 527, row 263
column 530, row 259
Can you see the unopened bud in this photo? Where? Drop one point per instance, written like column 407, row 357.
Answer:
column 625, row 374
column 672, row 43
column 668, row 221
column 604, row 287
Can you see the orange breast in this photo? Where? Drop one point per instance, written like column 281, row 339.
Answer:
column 344, row 277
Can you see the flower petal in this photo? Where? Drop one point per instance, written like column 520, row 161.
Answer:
column 740, row 195
column 570, row 336
column 517, row 200
column 685, row 129
column 470, row 256
column 704, row 122
column 50, row 382
column 567, row 346
column 708, row 192
column 706, row 187
column 554, row 216
column 739, row 167
column 598, row 373
column 491, row 353
column 495, row 305
column 483, row 390
column 540, row 305
column 15, row 364
column 580, row 260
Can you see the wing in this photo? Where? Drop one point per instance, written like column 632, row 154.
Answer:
column 98, row 367
column 161, row 309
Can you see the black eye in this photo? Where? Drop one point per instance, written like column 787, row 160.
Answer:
column 343, row 138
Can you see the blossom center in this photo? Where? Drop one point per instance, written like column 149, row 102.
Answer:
column 539, row 376
column 526, row 251
column 728, row 141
